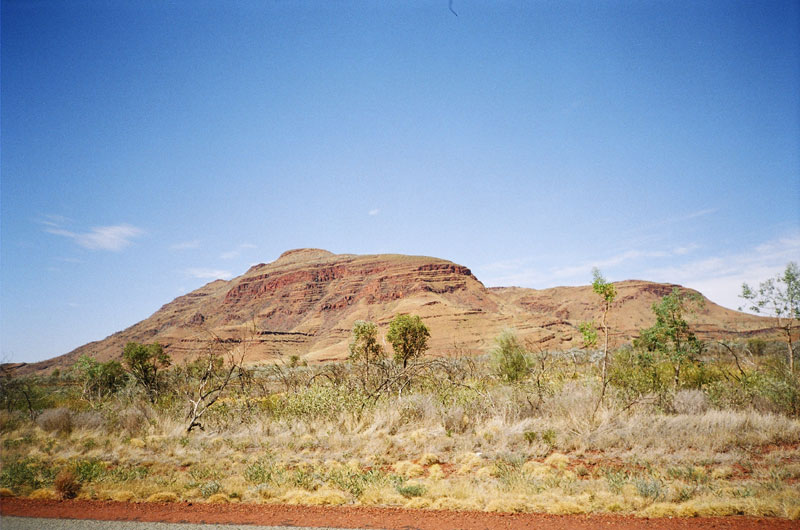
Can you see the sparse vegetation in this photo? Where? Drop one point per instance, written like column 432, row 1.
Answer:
column 779, row 297
column 520, row 429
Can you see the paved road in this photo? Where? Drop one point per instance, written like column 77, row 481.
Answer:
column 31, row 523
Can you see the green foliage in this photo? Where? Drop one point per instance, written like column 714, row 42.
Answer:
column 89, row 470
column 408, row 337
column 143, row 362
column 637, row 374
column 127, row 473
column 365, row 347
column 318, row 401
column 771, row 388
column 355, row 481
column 207, row 489
column 589, row 333
column 509, row 359
column 263, row 471
column 24, row 393
column 97, row 379
column 616, row 480
column 778, row 297
column 411, row 490
column 670, row 337
column 23, row 476
column 600, row 286
column 649, row 488
column 549, row 437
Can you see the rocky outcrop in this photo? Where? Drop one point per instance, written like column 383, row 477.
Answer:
column 306, row 301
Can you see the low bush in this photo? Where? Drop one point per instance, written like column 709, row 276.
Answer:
column 509, row 359
column 66, row 484
column 56, row 420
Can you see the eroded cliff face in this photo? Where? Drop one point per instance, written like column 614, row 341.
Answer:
column 306, row 301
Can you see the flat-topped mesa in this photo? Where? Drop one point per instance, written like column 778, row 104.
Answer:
column 302, row 280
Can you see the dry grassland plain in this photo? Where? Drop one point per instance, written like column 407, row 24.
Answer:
column 456, row 436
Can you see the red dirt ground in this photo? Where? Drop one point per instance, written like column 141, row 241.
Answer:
column 361, row 517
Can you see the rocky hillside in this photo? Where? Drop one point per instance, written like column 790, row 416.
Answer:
column 306, row 301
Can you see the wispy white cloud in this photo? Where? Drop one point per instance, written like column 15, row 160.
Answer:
column 692, row 215
column 186, row 245
column 585, row 269
column 374, row 212
column 235, row 253
column 114, row 237
column 521, row 271
column 720, row 277
column 209, row 274
column 55, row 221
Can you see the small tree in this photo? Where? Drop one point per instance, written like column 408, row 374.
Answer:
column 778, row 297
column 408, row 337
column 365, row 347
column 366, row 352
column 98, row 380
column 670, row 335
column 143, row 362
column 607, row 293
column 509, row 358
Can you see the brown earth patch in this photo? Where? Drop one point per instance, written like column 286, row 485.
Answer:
column 361, row 517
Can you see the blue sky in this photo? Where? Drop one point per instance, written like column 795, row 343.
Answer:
column 150, row 147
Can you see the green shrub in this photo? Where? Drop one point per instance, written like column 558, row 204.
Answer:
column 355, row 482
column 410, row 490
column 636, row 374
column 509, row 359
column 124, row 474
column 649, row 488
column 263, row 472
column 210, row 488
column 89, row 470
column 26, row 475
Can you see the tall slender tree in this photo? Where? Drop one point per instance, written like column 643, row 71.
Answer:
column 779, row 297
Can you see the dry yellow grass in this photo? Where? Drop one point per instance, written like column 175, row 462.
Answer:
column 322, row 497
column 122, row 496
column 218, row 498
column 44, row 494
column 640, row 461
column 163, row 496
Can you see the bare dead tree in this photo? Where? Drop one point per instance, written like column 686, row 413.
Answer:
column 208, row 376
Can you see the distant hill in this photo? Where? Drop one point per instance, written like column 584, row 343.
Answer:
column 306, row 301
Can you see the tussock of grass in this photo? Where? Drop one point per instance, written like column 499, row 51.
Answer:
column 408, row 469
column 163, row 496
column 428, row 459
column 44, row 494
column 122, row 496
column 218, row 498
column 557, row 460
column 322, row 497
